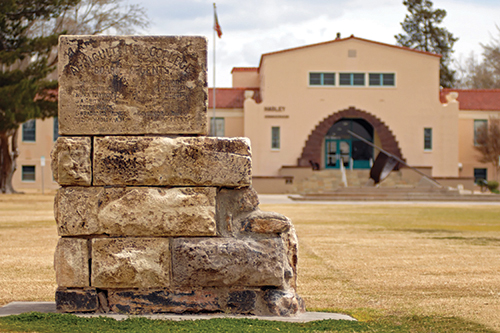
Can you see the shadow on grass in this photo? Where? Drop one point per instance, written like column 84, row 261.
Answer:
column 41, row 322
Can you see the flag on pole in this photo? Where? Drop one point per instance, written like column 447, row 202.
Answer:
column 216, row 23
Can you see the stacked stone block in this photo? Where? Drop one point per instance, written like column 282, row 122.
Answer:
column 152, row 215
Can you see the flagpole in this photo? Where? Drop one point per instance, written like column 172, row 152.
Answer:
column 212, row 123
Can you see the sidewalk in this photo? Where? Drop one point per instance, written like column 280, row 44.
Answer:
column 16, row 308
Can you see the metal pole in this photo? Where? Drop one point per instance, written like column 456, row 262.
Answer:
column 212, row 123
column 42, row 164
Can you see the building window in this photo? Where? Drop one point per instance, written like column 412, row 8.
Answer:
column 217, row 129
column 29, row 131
column 381, row 79
column 275, row 137
column 321, row 79
column 351, row 79
column 28, row 173
column 480, row 174
column 427, row 138
column 478, row 123
column 56, row 128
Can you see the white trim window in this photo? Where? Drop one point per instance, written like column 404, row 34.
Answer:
column 352, row 79
column 321, row 79
column 478, row 123
column 427, row 139
column 29, row 131
column 219, row 126
column 275, row 138
column 381, row 79
column 28, row 173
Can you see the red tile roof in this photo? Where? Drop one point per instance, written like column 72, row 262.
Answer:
column 229, row 98
column 244, row 69
column 474, row 99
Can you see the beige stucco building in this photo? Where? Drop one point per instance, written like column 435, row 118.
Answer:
column 298, row 105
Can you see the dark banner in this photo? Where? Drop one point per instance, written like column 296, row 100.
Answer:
column 382, row 167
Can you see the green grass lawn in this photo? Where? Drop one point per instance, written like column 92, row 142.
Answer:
column 69, row 323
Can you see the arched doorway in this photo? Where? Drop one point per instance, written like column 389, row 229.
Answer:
column 341, row 147
column 312, row 151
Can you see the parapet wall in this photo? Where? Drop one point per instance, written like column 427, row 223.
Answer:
column 152, row 220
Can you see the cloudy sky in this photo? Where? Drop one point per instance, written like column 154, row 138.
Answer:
column 253, row 27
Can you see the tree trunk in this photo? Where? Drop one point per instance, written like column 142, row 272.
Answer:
column 8, row 156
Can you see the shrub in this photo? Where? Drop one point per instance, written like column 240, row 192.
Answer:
column 482, row 183
column 492, row 186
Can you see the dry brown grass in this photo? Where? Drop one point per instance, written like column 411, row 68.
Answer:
column 403, row 259
column 28, row 237
column 441, row 259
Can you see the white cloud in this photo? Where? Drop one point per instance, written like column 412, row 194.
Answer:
column 251, row 28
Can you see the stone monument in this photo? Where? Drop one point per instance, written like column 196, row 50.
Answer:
column 154, row 216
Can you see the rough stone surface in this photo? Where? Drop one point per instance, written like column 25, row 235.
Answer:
column 76, row 300
column 136, row 211
column 132, row 85
column 208, row 262
column 266, row 223
column 157, row 301
column 242, row 301
column 283, row 303
column 71, row 262
column 130, row 263
column 76, row 210
column 182, row 161
column 292, row 252
column 231, row 204
column 71, row 161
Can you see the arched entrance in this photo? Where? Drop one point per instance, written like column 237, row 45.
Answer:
column 342, row 148
column 312, row 150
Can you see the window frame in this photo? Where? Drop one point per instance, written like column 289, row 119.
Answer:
column 55, row 128
column 427, row 138
column 24, row 173
column 29, row 133
column 351, row 79
column 476, row 121
column 322, row 79
column 275, row 138
column 381, row 80
column 476, row 178
column 218, row 120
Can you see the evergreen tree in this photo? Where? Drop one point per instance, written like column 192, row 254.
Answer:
column 422, row 32
column 24, row 92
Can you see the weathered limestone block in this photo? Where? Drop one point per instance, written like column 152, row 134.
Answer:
column 209, row 262
column 238, row 201
column 71, row 262
column 130, row 263
column 157, row 301
column 71, row 161
column 132, row 85
column 76, row 209
column 161, row 161
column 283, row 303
column 76, row 300
column 136, row 211
column 266, row 223
column 242, row 301
column 292, row 252
column 231, row 204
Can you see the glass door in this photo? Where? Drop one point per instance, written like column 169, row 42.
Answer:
column 336, row 152
column 331, row 154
